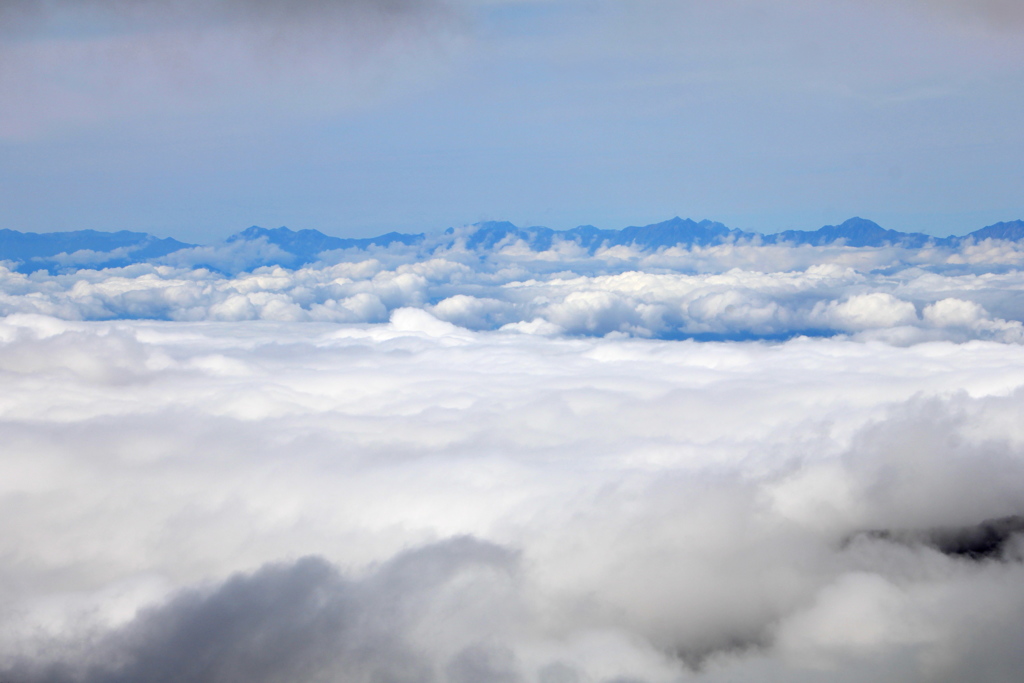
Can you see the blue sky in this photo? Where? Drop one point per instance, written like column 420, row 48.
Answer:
column 357, row 117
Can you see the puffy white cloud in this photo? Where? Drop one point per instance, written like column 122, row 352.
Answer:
column 731, row 291
column 868, row 311
column 501, row 506
column 620, row 506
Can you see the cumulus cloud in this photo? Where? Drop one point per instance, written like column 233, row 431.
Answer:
column 298, row 621
column 729, row 291
column 415, row 501
column 401, row 466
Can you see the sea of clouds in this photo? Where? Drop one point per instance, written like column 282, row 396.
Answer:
column 738, row 463
column 728, row 291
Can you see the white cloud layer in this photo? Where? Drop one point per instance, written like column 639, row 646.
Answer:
column 730, row 291
column 495, row 506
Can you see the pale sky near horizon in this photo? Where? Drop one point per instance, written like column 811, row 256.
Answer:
column 355, row 117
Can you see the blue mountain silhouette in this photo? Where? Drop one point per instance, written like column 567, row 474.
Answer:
column 56, row 251
column 68, row 251
column 857, row 232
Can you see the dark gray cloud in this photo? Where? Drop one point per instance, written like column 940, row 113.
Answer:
column 300, row 621
column 991, row 539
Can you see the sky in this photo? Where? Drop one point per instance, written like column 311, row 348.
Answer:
column 197, row 119
column 437, row 462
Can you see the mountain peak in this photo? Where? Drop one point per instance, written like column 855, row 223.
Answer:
column 1008, row 230
column 495, row 225
column 66, row 251
column 853, row 232
column 858, row 222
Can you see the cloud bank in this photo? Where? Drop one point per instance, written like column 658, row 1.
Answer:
column 415, row 501
column 420, row 462
column 735, row 290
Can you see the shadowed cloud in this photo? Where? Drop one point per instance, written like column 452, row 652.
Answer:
column 285, row 622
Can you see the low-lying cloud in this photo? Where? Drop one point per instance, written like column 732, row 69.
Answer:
column 415, row 501
column 296, row 621
column 729, row 291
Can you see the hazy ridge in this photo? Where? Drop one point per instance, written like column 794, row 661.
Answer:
column 68, row 251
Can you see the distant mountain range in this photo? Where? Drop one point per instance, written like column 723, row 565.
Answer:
column 255, row 246
column 121, row 247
